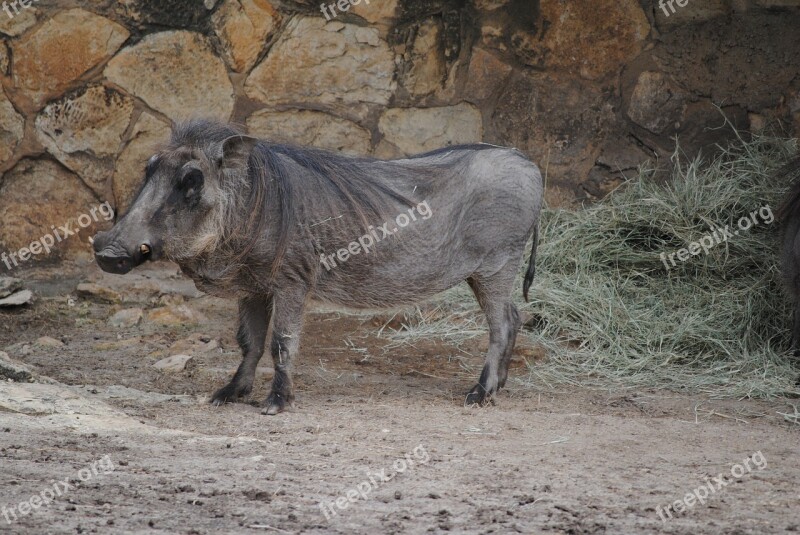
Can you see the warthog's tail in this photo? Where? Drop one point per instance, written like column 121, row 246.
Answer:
column 526, row 285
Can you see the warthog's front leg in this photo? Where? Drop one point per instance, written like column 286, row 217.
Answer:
column 286, row 330
column 254, row 317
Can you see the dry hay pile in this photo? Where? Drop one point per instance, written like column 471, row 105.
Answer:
column 609, row 312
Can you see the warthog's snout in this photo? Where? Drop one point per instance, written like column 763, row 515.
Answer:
column 114, row 257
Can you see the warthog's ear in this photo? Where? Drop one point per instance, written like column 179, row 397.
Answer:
column 234, row 152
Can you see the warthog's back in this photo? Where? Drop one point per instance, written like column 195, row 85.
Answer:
column 483, row 203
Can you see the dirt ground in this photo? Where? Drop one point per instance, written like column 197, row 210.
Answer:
column 542, row 460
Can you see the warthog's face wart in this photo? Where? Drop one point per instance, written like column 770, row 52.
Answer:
column 172, row 216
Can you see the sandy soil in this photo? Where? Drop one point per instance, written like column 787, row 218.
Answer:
column 541, row 460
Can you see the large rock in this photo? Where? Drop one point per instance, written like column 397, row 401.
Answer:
column 656, row 103
column 148, row 14
column 49, row 59
column 427, row 66
column 750, row 62
column 175, row 73
column 37, row 195
column 690, row 13
column 341, row 66
column 19, row 23
column 539, row 116
column 486, row 74
column 380, row 12
column 244, row 27
column 313, row 128
column 85, row 131
column 590, row 39
column 129, row 173
column 12, row 126
column 414, row 130
column 5, row 58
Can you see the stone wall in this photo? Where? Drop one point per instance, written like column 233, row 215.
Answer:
column 588, row 89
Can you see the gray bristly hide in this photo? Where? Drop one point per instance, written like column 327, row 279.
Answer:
column 276, row 225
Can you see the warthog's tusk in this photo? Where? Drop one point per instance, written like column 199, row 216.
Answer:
column 144, row 248
column 91, row 240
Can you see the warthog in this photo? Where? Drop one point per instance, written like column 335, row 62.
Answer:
column 276, row 225
column 789, row 216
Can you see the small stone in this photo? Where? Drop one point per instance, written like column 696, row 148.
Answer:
column 175, row 363
column 175, row 315
column 18, row 299
column 129, row 317
column 47, row 341
column 13, row 370
column 96, row 292
column 195, row 344
column 398, row 495
column 9, row 285
column 171, row 299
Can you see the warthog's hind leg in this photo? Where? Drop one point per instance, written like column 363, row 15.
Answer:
column 494, row 297
column 254, row 316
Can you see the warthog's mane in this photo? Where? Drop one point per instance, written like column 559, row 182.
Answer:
column 273, row 182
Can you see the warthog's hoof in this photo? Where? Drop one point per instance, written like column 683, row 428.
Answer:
column 229, row 393
column 277, row 403
column 478, row 396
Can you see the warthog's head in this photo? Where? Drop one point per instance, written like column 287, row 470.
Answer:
column 181, row 209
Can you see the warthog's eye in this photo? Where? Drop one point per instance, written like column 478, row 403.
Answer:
column 191, row 185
